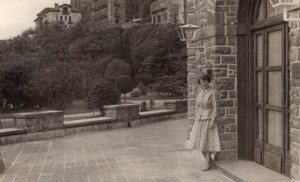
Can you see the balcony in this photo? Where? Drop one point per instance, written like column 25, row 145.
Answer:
column 66, row 13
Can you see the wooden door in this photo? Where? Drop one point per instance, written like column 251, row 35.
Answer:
column 271, row 90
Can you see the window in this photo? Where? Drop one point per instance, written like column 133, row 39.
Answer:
column 61, row 18
column 70, row 19
column 116, row 21
column 66, row 18
column 158, row 18
column 116, row 10
column 165, row 17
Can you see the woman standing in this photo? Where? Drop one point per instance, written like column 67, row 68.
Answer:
column 204, row 136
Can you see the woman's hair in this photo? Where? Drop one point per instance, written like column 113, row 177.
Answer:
column 204, row 77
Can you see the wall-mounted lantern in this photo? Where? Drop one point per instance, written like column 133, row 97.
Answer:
column 187, row 32
column 287, row 11
column 283, row 3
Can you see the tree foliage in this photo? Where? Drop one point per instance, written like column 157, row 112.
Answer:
column 124, row 84
column 103, row 93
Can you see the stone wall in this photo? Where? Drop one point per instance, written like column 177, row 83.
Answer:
column 294, row 37
column 40, row 121
column 216, row 52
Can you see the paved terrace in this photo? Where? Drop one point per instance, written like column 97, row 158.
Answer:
column 149, row 153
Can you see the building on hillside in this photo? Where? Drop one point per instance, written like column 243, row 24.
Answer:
column 84, row 6
column 64, row 14
column 167, row 11
column 253, row 53
column 110, row 12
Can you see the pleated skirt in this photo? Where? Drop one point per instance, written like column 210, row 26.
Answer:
column 204, row 139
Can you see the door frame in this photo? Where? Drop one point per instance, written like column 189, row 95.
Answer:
column 245, row 67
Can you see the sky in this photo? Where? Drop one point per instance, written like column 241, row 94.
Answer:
column 18, row 15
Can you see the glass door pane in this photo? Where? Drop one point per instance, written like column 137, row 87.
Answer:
column 275, row 128
column 275, row 48
column 275, row 88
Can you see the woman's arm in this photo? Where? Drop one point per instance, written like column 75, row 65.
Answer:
column 215, row 109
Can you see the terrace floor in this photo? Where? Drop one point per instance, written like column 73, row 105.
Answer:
column 148, row 153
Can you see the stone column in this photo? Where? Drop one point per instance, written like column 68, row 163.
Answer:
column 216, row 53
column 294, row 57
column 123, row 113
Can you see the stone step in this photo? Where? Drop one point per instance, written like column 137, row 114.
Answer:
column 87, row 121
column 12, row 131
column 248, row 171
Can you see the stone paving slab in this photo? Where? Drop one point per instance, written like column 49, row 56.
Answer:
column 149, row 153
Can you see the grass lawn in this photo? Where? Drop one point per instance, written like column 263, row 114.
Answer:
column 78, row 106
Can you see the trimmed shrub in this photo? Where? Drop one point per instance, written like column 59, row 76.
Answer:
column 125, row 85
column 142, row 88
column 103, row 93
column 143, row 106
column 135, row 93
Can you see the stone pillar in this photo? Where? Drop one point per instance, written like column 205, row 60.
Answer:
column 176, row 105
column 123, row 113
column 40, row 121
column 216, row 53
column 294, row 56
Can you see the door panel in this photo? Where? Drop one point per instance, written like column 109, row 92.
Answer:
column 270, row 98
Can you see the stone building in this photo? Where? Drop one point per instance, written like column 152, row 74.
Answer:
column 84, row 6
column 110, row 12
column 64, row 14
column 167, row 11
column 254, row 57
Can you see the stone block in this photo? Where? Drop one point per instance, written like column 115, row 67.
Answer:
column 220, row 18
column 228, row 59
column 295, row 153
column 230, row 120
column 221, row 128
column 293, row 54
column 220, row 72
column 220, row 2
column 223, row 145
column 231, row 2
column 225, row 84
column 231, row 145
column 232, row 94
column 230, row 30
column 233, row 111
column 295, row 135
column 295, row 171
column 223, row 94
column 222, row 9
column 231, row 40
column 226, row 155
column 221, row 112
column 228, row 136
column 222, row 50
column 225, row 103
column 220, row 40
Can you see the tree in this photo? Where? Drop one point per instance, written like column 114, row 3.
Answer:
column 103, row 93
column 142, row 88
column 56, row 85
column 117, row 68
column 124, row 84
